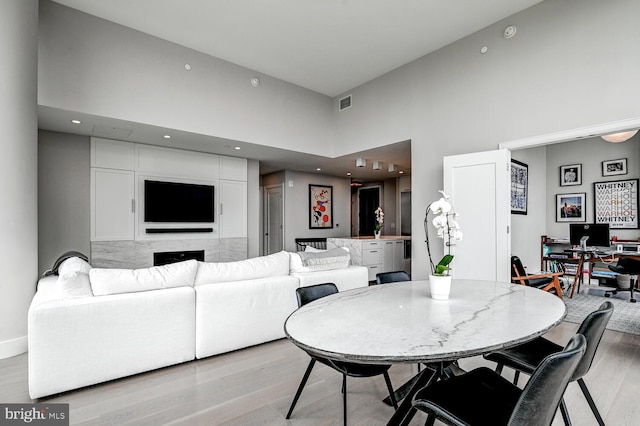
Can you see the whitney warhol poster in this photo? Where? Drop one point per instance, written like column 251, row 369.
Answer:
column 616, row 203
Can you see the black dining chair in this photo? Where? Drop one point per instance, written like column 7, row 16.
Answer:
column 309, row 294
column 392, row 277
column 527, row 356
column 483, row 397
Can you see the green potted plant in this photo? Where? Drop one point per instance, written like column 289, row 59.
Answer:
column 445, row 222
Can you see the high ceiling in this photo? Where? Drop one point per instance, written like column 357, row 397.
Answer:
column 328, row 46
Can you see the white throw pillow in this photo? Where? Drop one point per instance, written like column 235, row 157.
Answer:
column 114, row 281
column 323, row 264
column 310, row 249
column 74, row 284
column 273, row 265
column 74, row 264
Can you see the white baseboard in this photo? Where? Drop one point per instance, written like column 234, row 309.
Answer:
column 13, row 347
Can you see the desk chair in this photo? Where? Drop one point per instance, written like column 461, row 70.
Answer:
column 392, row 277
column 547, row 281
column 626, row 266
column 527, row 356
column 483, row 397
column 309, row 294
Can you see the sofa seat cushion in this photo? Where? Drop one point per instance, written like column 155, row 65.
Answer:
column 273, row 265
column 235, row 315
column 80, row 342
column 345, row 278
column 116, row 281
column 324, row 260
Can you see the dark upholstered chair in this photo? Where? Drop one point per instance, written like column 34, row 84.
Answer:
column 547, row 281
column 392, row 277
column 318, row 243
column 483, row 397
column 627, row 266
column 527, row 356
column 309, row 294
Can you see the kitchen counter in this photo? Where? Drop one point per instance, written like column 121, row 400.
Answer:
column 386, row 254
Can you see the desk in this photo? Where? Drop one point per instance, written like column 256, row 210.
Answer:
column 589, row 256
column 400, row 323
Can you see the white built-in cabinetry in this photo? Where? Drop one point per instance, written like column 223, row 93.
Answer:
column 383, row 255
column 118, row 172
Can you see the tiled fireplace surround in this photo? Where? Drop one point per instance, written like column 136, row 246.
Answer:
column 139, row 254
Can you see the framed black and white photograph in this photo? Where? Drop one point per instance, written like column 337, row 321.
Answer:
column 519, row 186
column 614, row 167
column 571, row 207
column 616, row 203
column 320, row 207
column 571, row 175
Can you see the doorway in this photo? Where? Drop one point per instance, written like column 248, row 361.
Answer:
column 273, row 219
column 368, row 201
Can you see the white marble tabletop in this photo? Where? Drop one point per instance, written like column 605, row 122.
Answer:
column 400, row 323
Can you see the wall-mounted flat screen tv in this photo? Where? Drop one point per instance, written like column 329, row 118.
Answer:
column 177, row 202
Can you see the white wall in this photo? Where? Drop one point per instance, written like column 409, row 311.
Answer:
column 526, row 230
column 590, row 153
column 94, row 66
column 63, row 196
column 567, row 67
column 18, row 171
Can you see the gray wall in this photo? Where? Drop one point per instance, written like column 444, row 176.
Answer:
column 18, row 171
column 527, row 229
column 590, row 153
column 98, row 67
column 63, row 196
column 296, row 207
column 254, row 208
column 566, row 68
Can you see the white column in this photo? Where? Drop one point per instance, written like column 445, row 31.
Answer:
column 18, row 170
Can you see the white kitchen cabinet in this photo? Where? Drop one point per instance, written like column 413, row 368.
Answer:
column 110, row 154
column 233, row 209
column 383, row 255
column 112, row 204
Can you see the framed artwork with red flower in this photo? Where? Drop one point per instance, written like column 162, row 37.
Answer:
column 320, row 207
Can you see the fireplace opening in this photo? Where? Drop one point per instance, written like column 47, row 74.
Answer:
column 166, row 257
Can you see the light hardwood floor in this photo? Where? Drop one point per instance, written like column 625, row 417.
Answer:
column 255, row 386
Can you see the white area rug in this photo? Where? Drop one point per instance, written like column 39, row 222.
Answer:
column 626, row 315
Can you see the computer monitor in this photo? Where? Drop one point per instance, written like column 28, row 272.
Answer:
column 597, row 233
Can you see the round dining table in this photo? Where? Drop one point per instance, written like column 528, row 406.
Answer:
column 400, row 323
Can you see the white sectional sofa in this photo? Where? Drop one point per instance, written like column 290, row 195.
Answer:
column 90, row 325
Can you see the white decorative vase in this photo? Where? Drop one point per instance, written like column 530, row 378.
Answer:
column 376, row 235
column 440, row 286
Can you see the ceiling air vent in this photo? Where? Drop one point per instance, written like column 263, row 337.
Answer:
column 344, row 103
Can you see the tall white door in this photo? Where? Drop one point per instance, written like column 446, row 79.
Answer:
column 479, row 186
column 274, row 220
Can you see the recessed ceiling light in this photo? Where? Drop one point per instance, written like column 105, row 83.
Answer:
column 76, row 121
column 348, row 173
column 237, row 147
column 187, row 67
column 401, row 172
column 167, row 136
column 318, row 169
